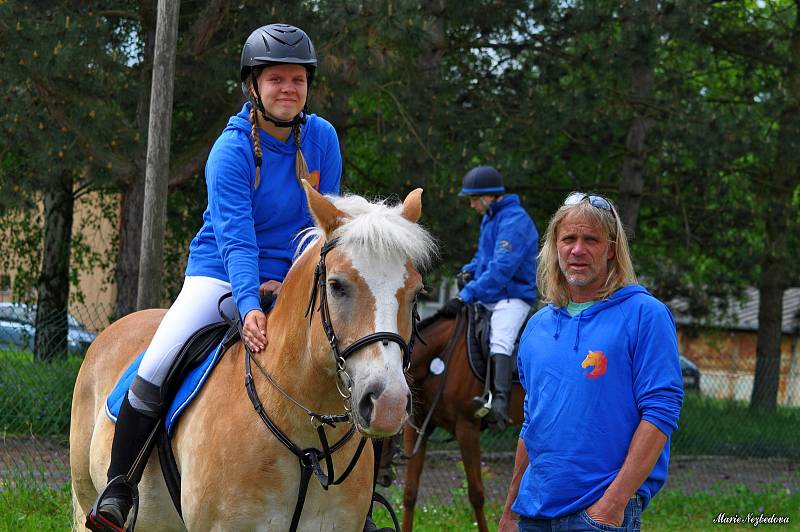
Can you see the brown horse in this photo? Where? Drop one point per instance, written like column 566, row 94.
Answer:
column 235, row 474
column 449, row 394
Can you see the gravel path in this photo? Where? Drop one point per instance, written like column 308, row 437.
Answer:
column 443, row 477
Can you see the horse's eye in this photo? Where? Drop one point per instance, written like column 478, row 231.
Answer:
column 337, row 288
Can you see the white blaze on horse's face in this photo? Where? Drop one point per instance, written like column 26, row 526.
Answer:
column 371, row 286
column 383, row 291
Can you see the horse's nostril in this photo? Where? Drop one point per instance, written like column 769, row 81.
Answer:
column 408, row 404
column 367, row 403
column 365, row 407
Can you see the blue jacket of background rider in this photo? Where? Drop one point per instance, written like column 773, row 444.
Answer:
column 504, row 267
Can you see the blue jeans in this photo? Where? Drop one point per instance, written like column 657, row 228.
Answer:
column 581, row 522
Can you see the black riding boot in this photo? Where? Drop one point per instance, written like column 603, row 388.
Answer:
column 130, row 435
column 501, row 390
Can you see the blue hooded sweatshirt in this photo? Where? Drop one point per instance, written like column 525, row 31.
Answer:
column 504, row 267
column 248, row 233
column 589, row 380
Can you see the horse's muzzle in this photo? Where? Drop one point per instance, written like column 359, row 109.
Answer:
column 383, row 411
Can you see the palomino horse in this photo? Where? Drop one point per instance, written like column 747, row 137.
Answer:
column 447, row 399
column 234, row 473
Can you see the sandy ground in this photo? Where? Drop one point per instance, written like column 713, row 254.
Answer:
column 443, row 475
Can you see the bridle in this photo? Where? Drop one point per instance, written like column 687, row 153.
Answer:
column 310, row 458
column 340, row 356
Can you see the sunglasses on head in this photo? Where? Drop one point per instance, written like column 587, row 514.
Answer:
column 596, row 201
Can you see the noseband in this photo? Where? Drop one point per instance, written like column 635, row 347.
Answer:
column 311, row 458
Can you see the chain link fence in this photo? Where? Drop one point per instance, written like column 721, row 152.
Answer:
column 718, row 437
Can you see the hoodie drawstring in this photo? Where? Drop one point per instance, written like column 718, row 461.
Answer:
column 578, row 333
column 558, row 326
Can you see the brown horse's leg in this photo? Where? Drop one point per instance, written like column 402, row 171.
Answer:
column 468, row 436
column 413, row 472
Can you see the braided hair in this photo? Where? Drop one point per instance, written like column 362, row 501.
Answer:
column 300, row 165
column 256, row 143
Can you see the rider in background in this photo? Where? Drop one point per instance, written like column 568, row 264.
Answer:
column 501, row 276
column 256, row 206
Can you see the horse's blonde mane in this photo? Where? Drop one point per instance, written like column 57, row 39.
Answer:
column 381, row 229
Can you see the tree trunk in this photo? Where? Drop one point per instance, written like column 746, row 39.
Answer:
column 130, row 239
column 151, row 263
column 768, row 342
column 51, row 325
column 777, row 208
column 634, row 166
column 130, row 226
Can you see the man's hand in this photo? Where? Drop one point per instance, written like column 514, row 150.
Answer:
column 606, row 513
column 508, row 523
column 462, row 278
column 452, row 308
column 254, row 330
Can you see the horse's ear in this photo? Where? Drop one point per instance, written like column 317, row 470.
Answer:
column 412, row 205
column 325, row 213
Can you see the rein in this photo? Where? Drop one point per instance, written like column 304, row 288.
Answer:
column 310, row 459
column 445, row 356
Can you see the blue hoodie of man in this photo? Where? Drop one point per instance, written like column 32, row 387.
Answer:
column 589, row 380
column 248, row 233
column 504, row 267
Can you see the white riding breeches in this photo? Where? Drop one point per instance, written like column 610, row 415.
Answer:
column 508, row 316
column 195, row 307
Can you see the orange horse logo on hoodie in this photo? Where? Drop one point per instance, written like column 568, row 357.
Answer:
column 598, row 360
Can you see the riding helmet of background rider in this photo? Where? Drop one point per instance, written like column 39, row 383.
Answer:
column 481, row 181
column 276, row 44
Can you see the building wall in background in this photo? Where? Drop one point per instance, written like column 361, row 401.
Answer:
column 726, row 359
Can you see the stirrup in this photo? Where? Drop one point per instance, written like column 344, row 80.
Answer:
column 481, row 407
column 96, row 522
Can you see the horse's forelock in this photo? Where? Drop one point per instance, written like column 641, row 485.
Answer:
column 381, row 229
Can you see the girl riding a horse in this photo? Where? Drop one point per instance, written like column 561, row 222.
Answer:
column 246, row 240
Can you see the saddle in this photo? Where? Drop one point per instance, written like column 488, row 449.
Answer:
column 479, row 324
column 189, row 371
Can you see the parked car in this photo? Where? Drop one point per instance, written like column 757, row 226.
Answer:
column 691, row 375
column 18, row 329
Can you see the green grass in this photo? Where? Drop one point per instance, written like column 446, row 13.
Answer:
column 716, row 427
column 671, row 510
column 31, row 509
column 674, row 510
column 35, row 397
column 35, row 509
column 706, row 427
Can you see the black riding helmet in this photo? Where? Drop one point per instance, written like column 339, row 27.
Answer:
column 482, row 180
column 277, row 44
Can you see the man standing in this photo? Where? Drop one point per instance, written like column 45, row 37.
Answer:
column 603, row 384
column 501, row 276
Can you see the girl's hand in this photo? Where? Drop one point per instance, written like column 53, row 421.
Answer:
column 254, row 330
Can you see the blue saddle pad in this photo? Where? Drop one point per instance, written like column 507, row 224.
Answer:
column 187, row 391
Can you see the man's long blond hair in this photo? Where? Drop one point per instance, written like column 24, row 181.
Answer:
column 549, row 277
